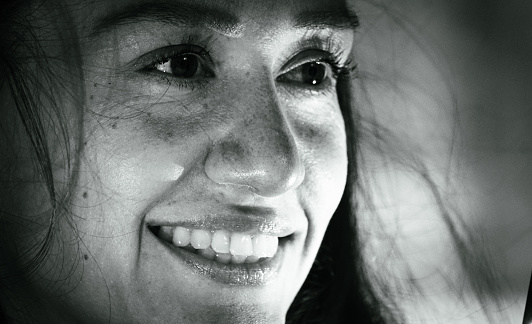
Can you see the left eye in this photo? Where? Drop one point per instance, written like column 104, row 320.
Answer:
column 312, row 73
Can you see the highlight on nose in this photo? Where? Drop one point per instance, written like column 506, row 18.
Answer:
column 265, row 160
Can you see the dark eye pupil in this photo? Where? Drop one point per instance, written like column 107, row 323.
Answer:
column 313, row 73
column 185, row 66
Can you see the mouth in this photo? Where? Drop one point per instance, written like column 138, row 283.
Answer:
column 233, row 258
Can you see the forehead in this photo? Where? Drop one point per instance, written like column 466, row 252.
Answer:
column 230, row 17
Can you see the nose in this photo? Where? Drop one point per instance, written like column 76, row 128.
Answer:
column 259, row 152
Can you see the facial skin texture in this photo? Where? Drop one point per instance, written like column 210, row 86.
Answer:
column 158, row 149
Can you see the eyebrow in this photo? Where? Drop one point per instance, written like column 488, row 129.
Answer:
column 198, row 15
column 174, row 13
column 336, row 19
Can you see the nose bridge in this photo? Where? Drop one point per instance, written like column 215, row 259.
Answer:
column 260, row 150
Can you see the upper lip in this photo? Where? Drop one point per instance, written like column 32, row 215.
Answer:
column 233, row 218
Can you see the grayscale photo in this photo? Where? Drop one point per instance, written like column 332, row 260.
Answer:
column 265, row 161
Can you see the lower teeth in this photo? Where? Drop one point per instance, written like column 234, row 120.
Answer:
column 224, row 258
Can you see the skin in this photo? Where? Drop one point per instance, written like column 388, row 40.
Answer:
column 152, row 150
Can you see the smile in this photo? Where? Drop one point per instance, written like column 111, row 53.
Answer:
column 227, row 257
column 220, row 245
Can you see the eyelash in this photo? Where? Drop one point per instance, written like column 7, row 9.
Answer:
column 332, row 54
column 334, row 60
column 190, row 45
column 329, row 54
column 340, row 69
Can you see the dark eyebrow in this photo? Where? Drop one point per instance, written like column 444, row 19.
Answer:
column 336, row 19
column 174, row 13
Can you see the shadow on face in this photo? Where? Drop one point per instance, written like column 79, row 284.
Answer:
column 218, row 122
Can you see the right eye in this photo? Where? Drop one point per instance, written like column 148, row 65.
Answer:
column 189, row 62
column 185, row 66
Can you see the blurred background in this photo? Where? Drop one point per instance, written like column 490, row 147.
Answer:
column 453, row 80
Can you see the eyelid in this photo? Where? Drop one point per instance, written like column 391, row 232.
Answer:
column 160, row 55
column 307, row 56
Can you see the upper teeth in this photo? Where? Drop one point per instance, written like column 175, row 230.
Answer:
column 222, row 244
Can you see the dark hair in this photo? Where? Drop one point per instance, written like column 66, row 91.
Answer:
column 28, row 83
column 338, row 288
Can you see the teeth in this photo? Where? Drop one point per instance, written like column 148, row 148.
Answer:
column 181, row 236
column 224, row 258
column 265, row 245
column 165, row 232
column 238, row 259
column 200, row 239
column 241, row 244
column 221, row 245
column 252, row 259
column 208, row 253
column 220, row 241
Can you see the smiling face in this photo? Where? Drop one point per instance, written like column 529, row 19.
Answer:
column 214, row 156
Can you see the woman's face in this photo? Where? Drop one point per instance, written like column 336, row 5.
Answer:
column 220, row 120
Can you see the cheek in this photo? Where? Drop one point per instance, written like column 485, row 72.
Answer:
column 135, row 152
column 133, row 146
column 325, row 180
column 121, row 175
column 324, row 150
column 134, row 175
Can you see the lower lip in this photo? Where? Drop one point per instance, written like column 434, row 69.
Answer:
column 245, row 274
